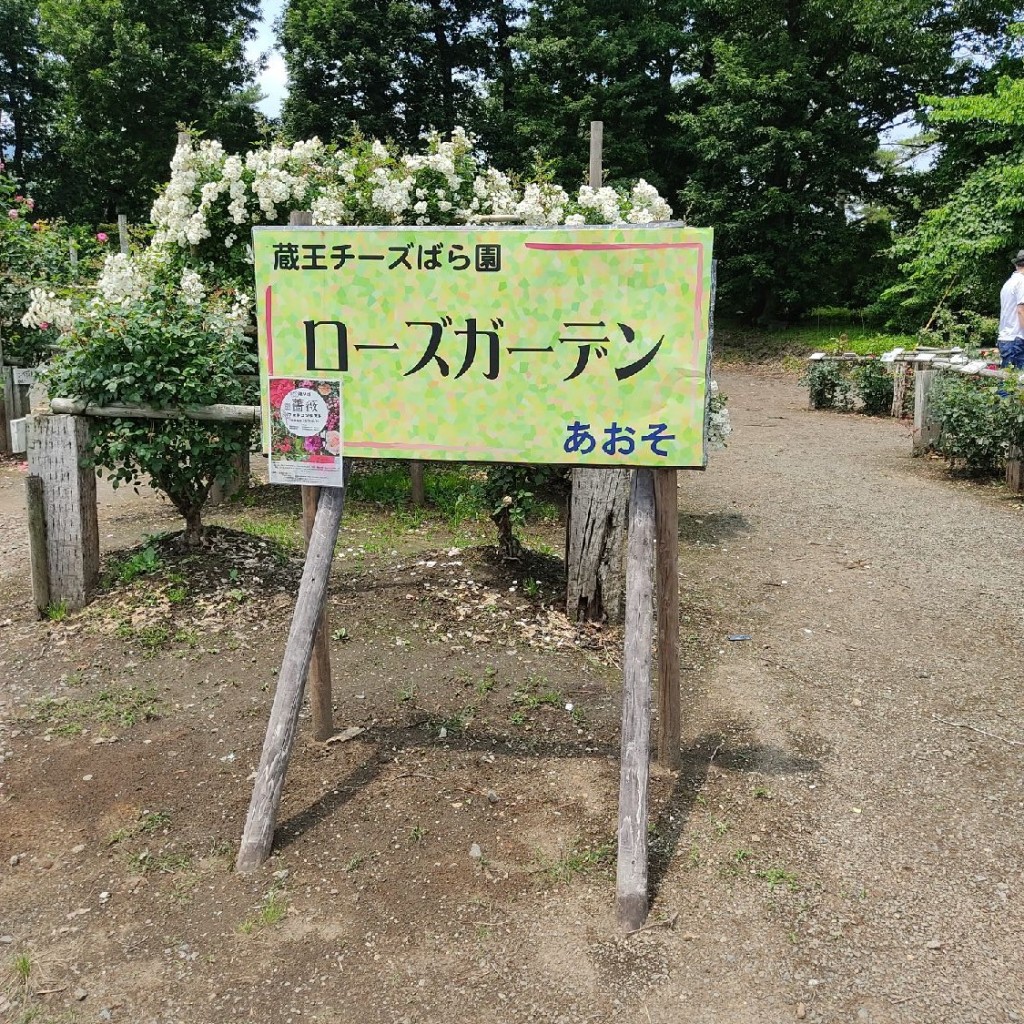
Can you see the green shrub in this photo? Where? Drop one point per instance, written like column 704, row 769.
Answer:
column 974, row 418
column 959, row 329
column 829, row 384
column 160, row 351
column 874, row 384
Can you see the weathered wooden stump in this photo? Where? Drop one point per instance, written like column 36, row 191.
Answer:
column 57, row 447
column 926, row 429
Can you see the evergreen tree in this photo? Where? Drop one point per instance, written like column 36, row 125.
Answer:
column 389, row 68
column 26, row 89
column 130, row 72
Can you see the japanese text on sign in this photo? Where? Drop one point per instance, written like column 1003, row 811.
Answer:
column 568, row 345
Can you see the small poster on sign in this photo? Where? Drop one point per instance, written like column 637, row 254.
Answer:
column 306, row 431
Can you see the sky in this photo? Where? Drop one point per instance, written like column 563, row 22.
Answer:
column 273, row 81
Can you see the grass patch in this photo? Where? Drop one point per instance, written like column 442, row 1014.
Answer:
column 57, row 611
column 115, row 705
column 273, row 910
column 144, row 562
column 147, row 823
column 144, row 862
column 283, row 530
column 535, row 695
column 776, row 876
column 581, row 860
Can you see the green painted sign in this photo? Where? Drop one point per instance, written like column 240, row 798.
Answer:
column 580, row 346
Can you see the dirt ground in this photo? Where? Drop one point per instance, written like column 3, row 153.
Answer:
column 843, row 843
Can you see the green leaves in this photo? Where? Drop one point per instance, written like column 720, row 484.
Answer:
column 160, row 352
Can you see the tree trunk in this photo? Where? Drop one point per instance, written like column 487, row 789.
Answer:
column 595, row 542
column 193, row 536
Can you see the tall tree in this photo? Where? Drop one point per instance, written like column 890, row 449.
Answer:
column 783, row 111
column 130, row 72
column 26, row 89
column 958, row 253
column 391, row 68
column 615, row 61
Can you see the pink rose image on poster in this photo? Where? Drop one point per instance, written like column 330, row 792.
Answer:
column 279, row 389
column 332, row 442
column 314, row 443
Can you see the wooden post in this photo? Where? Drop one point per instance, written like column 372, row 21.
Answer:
column 5, row 440
column 595, row 531
column 57, row 446
column 901, row 375
column 596, row 156
column 666, row 504
column 419, row 492
column 239, row 481
column 320, row 700
column 258, row 836
column 73, row 255
column 10, row 399
column 1015, row 470
column 926, row 430
column 37, row 543
column 634, row 772
column 122, row 231
column 319, row 685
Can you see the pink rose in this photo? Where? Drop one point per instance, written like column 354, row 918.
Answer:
column 43, row 326
column 13, row 214
column 101, row 236
column 313, row 444
column 279, row 390
column 333, row 442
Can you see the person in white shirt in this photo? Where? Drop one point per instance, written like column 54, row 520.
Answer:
column 1011, row 316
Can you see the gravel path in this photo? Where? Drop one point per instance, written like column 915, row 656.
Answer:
column 842, row 845
column 881, row 597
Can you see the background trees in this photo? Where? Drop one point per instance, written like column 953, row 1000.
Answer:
column 761, row 121
column 104, row 83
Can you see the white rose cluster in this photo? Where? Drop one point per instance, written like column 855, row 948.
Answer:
column 123, row 279
column 216, row 195
column 203, row 217
column 717, row 423
column 47, row 309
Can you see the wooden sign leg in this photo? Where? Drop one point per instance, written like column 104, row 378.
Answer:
column 631, row 868
column 419, row 493
column 319, row 688
column 258, row 836
column 666, row 503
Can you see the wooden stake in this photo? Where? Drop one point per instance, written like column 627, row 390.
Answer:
column 596, row 156
column 37, row 543
column 319, row 683
column 258, row 836
column 419, row 492
column 631, row 868
column 122, row 231
column 926, row 429
column 595, row 530
column 666, row 504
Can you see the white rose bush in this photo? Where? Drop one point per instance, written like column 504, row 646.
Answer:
column 199, row 264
